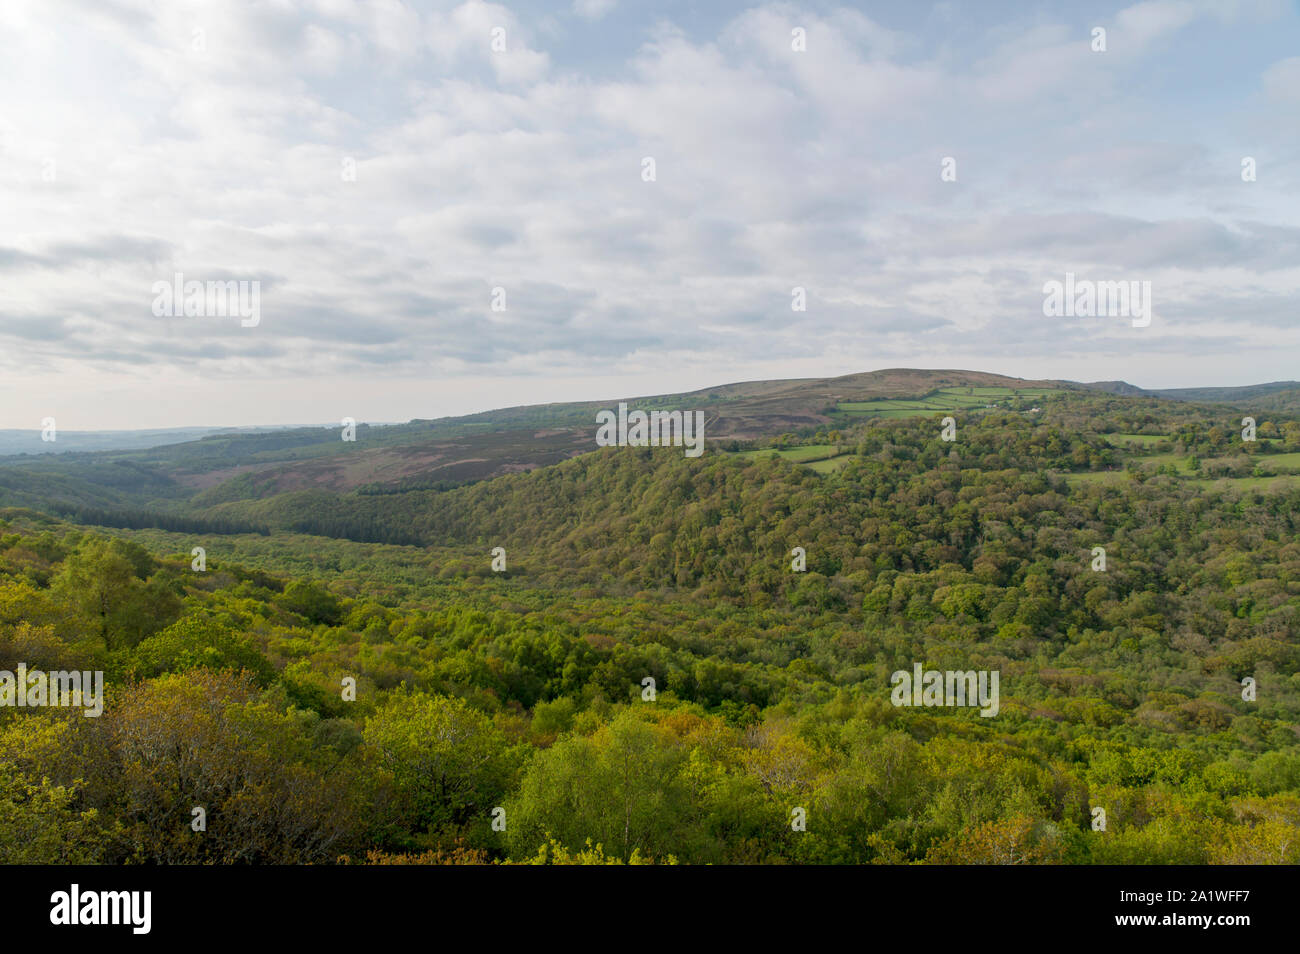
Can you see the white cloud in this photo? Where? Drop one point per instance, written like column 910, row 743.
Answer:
column 592, row 9
column 473, row 168
column 1281, row 81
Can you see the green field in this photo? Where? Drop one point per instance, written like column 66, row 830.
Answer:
column 1000, row 391
column 1281, row 463
column 830, row 465
column 1274, row 464
column 1146, row 440
column 823, row 458
column 1278, row 482
column 800, row 455
column 1181, row 461
column 1283, row 469
column 944, row 399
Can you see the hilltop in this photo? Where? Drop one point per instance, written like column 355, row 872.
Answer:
column 212, row 482
column 438, row 452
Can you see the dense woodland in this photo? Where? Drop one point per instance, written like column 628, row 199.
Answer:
column 522, row 690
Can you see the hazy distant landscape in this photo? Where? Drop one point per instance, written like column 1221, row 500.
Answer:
column 18, row 442
column 216, row 472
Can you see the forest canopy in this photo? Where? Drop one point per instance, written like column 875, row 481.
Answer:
column 325, row 699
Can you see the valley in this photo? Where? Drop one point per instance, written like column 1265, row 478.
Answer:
column 710, row 643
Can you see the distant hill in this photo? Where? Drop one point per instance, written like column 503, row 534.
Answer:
column 164, row 468
column 1234, row 395
column 188, row 472
column 1116, row 387
column 13, row 441
column 1252, row 392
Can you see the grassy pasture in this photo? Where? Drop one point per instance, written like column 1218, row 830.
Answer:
column 823, row 458
column 1280, row 463
column 829, row 465
column 944, row 399
column 800, row 455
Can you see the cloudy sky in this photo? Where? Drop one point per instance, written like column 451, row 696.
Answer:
column 379, row 169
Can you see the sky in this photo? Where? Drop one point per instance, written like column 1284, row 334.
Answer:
column 447, row 207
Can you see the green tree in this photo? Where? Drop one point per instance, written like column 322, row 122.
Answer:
column 103, row 584
column 620, row 788
column 450, row 764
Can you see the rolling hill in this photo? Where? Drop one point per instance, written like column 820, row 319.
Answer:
column 293, row 473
